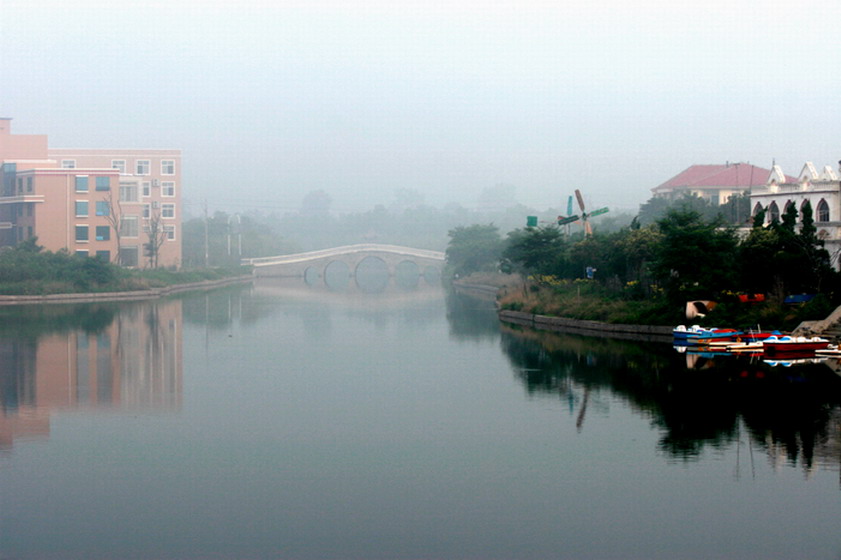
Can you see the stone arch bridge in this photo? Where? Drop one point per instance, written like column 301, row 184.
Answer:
column 305, row 264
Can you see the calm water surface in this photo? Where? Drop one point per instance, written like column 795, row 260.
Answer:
column 270, row 422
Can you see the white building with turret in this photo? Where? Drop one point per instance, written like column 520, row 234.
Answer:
column 821, row 188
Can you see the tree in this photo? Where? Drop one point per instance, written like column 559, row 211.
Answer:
column 29, row 245
column 758, row 270
column 114, row 215
column 156, row 237
column 637, row 249
column 737, row 209
column 475, row 248
column 316, row 203
column 535, row 250
column 696, row 258
column 759, row 219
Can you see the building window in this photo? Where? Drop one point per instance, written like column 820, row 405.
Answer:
column 82, row 234
column 30, row 209
column 128, row 192
column 103, row 183
column 167, row 167
column 128, row 256
column 167, row 210
column 20, row 185
column 147, row 211
column 81, row 252
column 147, row 188
column 823, row 211
column 119, row 165
column 103, row 233
column 128, row 226
column 773, row 212
column 102, row 208
column 68, row 164
column 170, row 232
column 81, row 183
column 143, row 166
column 167, row 188
column 81, row 208
column 104, row 256
column 29, row 184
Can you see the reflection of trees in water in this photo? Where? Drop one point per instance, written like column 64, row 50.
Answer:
column 20, row 321
column 471, row 317
column 217, row 308
column 793, row 413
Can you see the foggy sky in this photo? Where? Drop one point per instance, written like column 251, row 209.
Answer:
column 270, row 100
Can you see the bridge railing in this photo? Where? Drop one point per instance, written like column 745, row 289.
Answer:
column 345, row 250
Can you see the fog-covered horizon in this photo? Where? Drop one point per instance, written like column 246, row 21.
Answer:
column 368, row 99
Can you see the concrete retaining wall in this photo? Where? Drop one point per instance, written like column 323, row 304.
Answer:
column 655, row 333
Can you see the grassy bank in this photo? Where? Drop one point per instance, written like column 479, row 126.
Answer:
column 588, row 300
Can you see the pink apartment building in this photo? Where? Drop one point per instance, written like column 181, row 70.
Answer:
column 83, row 200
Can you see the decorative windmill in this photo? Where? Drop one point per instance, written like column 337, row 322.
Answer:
column 585, row 217
column 569, row 218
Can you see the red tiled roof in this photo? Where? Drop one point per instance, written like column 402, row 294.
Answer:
column 738, row 175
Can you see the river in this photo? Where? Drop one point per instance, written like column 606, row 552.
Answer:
column 276, row 421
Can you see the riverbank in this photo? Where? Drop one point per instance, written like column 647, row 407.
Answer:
column 495, row 287
column 133, row 295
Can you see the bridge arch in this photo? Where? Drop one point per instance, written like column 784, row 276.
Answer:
column 315, row 266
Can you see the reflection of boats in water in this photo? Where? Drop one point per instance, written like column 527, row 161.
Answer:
column 795, row 360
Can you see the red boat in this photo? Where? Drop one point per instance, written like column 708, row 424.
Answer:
column 756, row 336
column 786, row 345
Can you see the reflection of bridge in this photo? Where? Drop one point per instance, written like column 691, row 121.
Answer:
column 316, row 263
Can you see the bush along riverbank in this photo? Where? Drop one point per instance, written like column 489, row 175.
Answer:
column 29, row 274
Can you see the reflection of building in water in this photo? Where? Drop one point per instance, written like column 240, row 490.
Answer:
column 133, row 363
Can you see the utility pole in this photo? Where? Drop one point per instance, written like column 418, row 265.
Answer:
column 206, row 236
column 234, row 220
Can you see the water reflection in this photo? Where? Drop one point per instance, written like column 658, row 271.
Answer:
column 792, row 414
column 58, row 357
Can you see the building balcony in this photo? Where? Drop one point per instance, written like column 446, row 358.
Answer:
column 17, row 199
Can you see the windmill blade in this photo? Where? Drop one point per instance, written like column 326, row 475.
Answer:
column 588, row 229
column 580, row 200
column 569, row 206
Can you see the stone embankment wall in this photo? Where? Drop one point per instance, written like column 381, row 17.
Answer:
column 151, row 293
column 654, row 333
